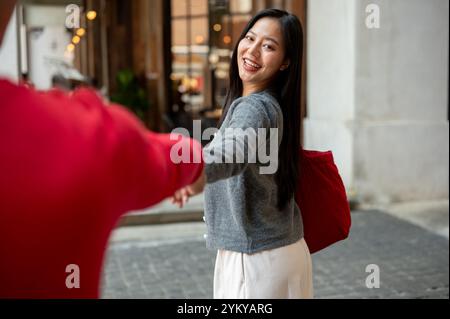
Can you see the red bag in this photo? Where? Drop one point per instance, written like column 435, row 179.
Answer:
column 322, row 200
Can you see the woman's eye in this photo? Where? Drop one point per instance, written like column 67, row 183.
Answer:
column 249, row 38
column 268, row 47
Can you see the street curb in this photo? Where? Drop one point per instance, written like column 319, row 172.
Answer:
column 161, row 218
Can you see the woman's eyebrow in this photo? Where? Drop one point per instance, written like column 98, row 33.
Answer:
column 268, row 38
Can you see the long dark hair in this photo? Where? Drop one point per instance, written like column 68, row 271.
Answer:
column 286, row 88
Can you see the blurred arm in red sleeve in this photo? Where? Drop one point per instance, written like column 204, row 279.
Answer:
column 141, row 168
column 70, row 166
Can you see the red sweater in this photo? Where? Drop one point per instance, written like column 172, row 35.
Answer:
column 69, row 168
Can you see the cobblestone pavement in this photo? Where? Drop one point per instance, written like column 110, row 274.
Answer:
column 413, row 263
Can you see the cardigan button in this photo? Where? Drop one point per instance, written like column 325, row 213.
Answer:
column 205, row 236
column 204, row 219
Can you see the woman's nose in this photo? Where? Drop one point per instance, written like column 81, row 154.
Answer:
column 254, row 49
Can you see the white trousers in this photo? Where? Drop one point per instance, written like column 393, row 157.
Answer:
column 280, row 273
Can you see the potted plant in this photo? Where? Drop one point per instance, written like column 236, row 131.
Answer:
column 131, row 94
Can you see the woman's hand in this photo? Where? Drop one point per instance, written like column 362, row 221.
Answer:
column 182, row 195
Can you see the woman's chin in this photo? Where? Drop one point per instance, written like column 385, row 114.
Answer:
column 245, row 77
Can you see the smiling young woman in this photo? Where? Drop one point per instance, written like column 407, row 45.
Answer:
column 252, row 219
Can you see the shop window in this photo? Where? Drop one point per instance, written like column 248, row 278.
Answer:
column 190, row 48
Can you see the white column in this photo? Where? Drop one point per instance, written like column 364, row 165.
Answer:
column 401, row 140
column 379, row 97
column 331, row 77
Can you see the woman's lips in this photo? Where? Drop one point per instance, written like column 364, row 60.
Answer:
column 250, row 66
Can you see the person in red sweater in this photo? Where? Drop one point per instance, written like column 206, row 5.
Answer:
column 70, row 166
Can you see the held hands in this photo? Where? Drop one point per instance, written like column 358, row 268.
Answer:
column 181, row 196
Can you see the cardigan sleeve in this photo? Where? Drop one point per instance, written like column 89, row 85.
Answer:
column 233, row 148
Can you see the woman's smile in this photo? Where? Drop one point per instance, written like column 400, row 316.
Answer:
column 250, row 66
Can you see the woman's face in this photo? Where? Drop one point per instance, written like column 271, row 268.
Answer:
column 261, row 53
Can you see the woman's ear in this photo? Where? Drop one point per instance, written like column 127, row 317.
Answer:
column 285, row 65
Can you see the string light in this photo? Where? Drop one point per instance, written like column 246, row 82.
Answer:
column 76, row 39
column 81, row 32
column 91, row 15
